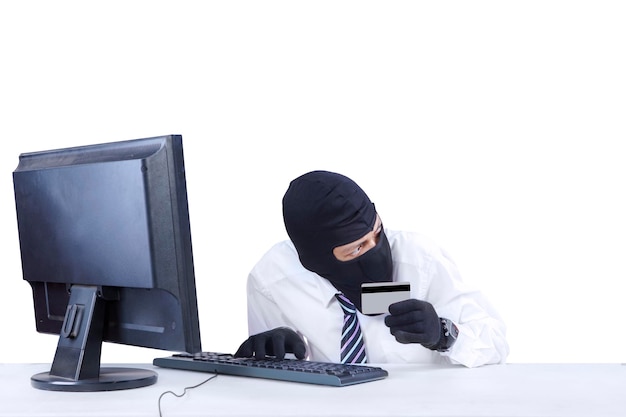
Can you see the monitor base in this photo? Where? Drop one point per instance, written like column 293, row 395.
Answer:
column 110, row 379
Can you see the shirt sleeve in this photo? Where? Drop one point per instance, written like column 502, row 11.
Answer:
column 273, row 298
column 482, row 333
column 263, row 313
column 281, row 293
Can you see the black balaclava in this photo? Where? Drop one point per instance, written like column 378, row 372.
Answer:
column 323, row 210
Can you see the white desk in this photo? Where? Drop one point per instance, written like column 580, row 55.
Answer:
column 524, row 390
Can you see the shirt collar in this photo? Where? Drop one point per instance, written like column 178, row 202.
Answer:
column 328, row 292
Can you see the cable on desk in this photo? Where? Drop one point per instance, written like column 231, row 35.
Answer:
column 184, row 392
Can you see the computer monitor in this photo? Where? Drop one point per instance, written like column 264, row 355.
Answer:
column 105, row 244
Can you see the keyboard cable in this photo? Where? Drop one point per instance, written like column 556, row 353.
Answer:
column 184, row 392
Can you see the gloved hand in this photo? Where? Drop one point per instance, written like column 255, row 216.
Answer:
column 415, row 321
column 275, row 342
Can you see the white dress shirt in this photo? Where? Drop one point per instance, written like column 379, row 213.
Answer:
column 282, row 293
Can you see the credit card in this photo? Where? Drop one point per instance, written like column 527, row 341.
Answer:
column 377, row 296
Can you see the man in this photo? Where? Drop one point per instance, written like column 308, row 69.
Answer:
column 297, row 292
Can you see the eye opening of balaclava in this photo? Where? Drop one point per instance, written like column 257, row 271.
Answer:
column 323, row 210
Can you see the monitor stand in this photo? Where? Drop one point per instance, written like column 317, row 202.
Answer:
column 76, row 365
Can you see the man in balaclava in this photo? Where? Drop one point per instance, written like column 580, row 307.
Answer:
column 323, row 211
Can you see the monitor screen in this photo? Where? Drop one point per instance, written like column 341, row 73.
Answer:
column 105, row 244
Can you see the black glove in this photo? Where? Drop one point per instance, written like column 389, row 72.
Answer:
column 415, row 321
column 275, row 342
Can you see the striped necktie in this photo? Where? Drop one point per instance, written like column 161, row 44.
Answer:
column 352, row 346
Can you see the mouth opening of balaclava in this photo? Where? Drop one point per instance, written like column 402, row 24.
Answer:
column 323, row 210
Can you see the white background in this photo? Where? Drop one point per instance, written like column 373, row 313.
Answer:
column 495, row 128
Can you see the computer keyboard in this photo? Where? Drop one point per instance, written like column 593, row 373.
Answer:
column 295, row 370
